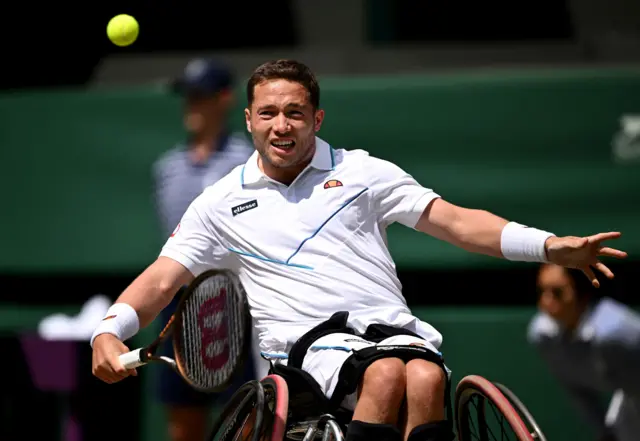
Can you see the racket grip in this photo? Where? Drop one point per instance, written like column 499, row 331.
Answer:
column 131, row 360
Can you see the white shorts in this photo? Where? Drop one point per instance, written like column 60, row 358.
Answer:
column 325, row 358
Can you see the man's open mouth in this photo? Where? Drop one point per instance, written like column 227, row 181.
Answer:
column 284, row 145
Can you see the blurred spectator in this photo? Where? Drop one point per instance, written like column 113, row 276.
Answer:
column 592, row 346
column 181, row 174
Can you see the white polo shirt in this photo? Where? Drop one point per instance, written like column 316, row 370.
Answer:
column 310, row 249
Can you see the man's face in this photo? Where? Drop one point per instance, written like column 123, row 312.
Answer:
column 283, row 124
column 556, row 294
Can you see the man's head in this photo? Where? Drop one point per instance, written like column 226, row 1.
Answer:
column 283, row 115
column 563, row 293
column 206, row 86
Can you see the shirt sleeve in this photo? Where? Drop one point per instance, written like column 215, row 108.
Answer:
column 397, row 196
column 194, row 243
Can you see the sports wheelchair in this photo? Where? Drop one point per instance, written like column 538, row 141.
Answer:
column 291, row 409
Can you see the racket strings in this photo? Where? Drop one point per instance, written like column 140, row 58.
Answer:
column 212, row 332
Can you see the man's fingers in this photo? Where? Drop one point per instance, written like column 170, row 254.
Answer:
column 133, row 372
column 121, row 372
column 591, row 276
column 604, row 270
column 611, row 252
column 604, row 236
column 107, row 376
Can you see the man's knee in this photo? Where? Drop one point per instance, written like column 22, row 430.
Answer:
column 386, row 379
column 426, row 378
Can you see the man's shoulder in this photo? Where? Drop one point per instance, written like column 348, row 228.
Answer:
column 222, row 188
column 361, row 158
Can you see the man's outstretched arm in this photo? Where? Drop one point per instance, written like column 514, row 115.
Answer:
column 479, row 231
column 135, row 308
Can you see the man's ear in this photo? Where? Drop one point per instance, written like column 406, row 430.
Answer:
column 247, row 119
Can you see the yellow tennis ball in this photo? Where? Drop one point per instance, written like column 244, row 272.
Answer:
column 123, row 30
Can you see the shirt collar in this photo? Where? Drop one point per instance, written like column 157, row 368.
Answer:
column 323, row 159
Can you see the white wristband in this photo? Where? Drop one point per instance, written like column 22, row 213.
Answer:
column 521, row 243
column 120, row 320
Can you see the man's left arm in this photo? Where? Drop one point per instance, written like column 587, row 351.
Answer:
column 398, row 197
column 476, row 231
column 482, row 232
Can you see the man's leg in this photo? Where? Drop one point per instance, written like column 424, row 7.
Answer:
column 426, row 388
column 423, row 416
column 381, row 391
column 381, row 394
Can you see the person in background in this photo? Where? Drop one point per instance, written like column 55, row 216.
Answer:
column 181, row 174
column 591, row 344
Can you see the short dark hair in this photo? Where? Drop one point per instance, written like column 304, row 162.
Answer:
column 290, row 70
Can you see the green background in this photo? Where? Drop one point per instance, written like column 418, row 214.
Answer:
column 533, row 146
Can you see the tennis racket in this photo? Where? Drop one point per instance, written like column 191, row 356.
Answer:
column 210, row 330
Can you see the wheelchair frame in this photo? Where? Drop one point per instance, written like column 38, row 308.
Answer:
column 266, row 404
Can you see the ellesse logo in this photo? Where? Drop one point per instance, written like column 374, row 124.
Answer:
column 244, row 207
column 332, row 183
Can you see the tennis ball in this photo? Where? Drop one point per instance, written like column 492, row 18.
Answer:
column 123, row 30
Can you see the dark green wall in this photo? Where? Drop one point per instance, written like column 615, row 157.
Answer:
column 533, row 146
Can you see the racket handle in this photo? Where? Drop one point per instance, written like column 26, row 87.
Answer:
column 131, row 360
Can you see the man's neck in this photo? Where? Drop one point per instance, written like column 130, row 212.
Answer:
column 285, row 175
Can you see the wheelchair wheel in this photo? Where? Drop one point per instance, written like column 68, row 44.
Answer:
column 242, row 418
column 483, row 413
column 526, row 416
column 277, row 407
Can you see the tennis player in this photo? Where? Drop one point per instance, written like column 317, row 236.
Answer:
column 303, row 225
column 591, row 344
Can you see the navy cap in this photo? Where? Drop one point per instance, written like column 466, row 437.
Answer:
column 203, row 77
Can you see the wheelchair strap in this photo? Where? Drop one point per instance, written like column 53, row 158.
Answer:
column 354, row 367
column 336, row 323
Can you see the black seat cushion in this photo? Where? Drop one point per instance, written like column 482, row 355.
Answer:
column 306, row 399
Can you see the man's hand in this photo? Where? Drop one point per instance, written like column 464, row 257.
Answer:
column 106, row 364
column 583, row 252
